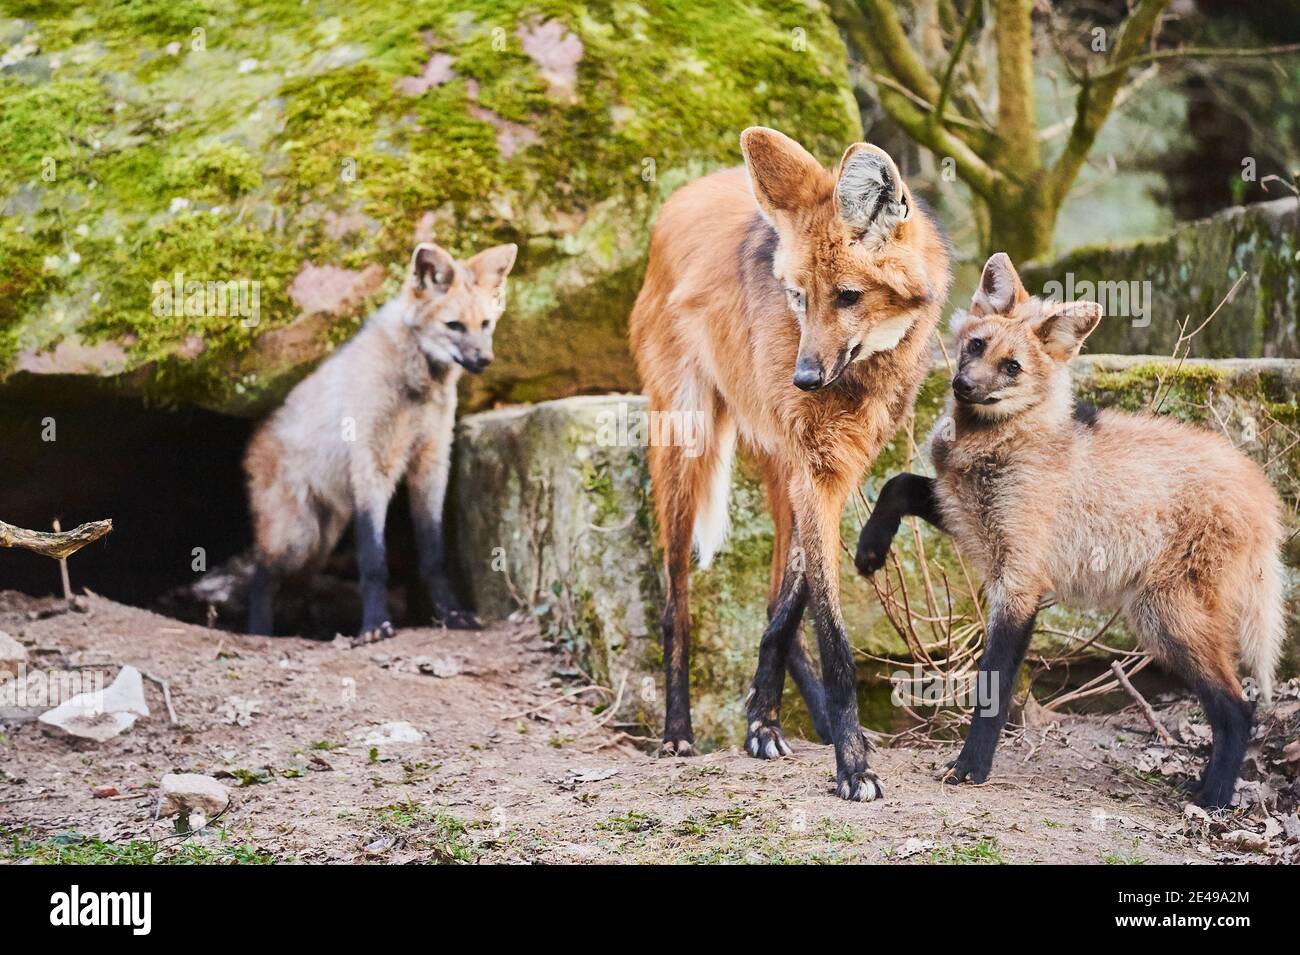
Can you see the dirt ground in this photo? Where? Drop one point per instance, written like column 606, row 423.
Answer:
column 498, row 775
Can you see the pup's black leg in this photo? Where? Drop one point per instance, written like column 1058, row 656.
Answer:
column 432, row 557
column 1008, row 639
column 1230, row 719
column 904, row 495
column 261, row 600
column 373, row 564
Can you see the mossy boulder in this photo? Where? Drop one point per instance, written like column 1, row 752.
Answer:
column 293, row 151
column 1147, row 288
column 553, row 516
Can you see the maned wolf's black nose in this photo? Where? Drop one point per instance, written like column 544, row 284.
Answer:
column 808, row 375
column 962, row 387
column 477, row 363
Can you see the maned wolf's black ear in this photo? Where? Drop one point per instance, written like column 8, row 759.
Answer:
column 869, row 191
column 491, row 266
column 783, row 175
column 1000, row 289
column 432, row 267
column 1064, row 326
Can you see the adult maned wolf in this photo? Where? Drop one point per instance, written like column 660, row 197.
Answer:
column 791, row 306
column 380, row 409
column 1103, row 509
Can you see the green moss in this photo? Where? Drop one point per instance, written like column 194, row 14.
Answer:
column 288, row 114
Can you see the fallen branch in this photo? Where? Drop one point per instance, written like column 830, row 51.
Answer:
column 57, row 545
column 1143, row 705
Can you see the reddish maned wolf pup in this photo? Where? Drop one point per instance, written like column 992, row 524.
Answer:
column 380, row 409
column 1104, row 509
column 793, row 308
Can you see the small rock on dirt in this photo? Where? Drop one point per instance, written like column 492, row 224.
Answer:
column 184, row 793
column 13, row 655
column 100, row 716
column 389, row 734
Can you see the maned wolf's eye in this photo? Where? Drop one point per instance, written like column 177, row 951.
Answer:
column 487, row 326
column 847, row 296
column 1011, row 367
column 975, row 346
column 795, row 297
column 456, row 326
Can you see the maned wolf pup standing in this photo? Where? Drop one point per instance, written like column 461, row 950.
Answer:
column 1105, row 510
column 379, row 409
column 791, row 310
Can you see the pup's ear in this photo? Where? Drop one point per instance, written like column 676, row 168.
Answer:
column 783, row 175
column 1064, row 326
column 432, row 268
column 1000, row 289
column 491, row 266
column 869, row 192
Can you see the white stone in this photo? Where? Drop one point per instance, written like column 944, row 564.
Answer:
column 389, row 734
column 101, row 715
column 13, row 655
column 185, row 793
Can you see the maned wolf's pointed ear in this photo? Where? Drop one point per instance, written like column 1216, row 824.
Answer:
column 1064, row 326
column 491, row 266
column 869, row 191
column 1000, row 289
column 783, row 175
column 432, row 267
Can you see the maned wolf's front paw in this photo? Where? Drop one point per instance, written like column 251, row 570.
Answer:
column 677, row 747
column 969, row 766
column 764, row 741
column 375, row 634
column 873, row 546
column 858, row 785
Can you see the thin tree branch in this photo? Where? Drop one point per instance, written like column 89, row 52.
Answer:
column 1198, row 53
column 958, row 48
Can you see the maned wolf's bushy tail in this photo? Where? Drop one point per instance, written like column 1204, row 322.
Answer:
column 1263, row 624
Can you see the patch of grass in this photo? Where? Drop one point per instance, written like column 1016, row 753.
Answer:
column 703, row 823
column 983, row 852
column 1122, row 858
column 251, row 777
column 326, row 745
column 73, row 848
column 633, row 821
column 443, row 836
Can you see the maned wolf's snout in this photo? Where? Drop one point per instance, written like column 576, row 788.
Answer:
column 808, row 374
column 963, row 388
column 475, row 362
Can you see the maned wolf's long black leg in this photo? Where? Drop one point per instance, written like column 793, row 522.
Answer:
column 373, row 564
column 1230, row 718
column 904, row 495
column 763, row 710
column 809, row 681
column 1008, row 639
column 261, row 600
column 817, row 508
column 427, row 483
column 447, row 609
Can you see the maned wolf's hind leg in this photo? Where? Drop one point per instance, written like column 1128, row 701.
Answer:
column 684, row 481
column 1191, row 642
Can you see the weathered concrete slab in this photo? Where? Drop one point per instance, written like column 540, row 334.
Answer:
column 554, row 516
